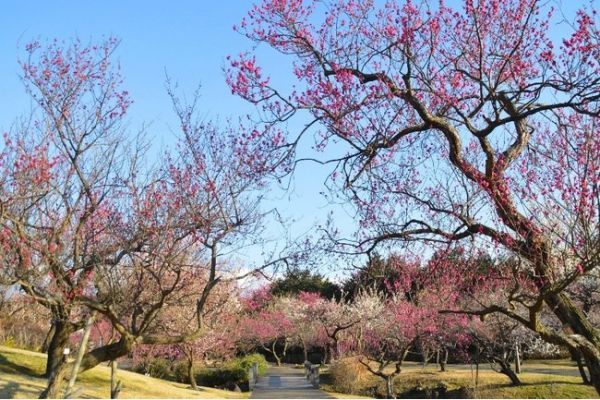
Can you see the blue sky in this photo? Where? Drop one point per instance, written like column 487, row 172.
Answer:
column 188, row 39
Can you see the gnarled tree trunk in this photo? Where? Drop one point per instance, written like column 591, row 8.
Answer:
column 577, row 357
column 61, row 331
column 585, row 335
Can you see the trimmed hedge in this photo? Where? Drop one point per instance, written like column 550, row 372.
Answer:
column 233, row 371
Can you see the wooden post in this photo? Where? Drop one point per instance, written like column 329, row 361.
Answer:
column 316, row 377
column 250, row 379
column 80, row 354
column 477, row 369
column 252, row 376
column 115, row 386
column 517, row 358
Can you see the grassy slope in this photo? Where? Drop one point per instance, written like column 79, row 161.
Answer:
column 558, row 381
column 20, row 372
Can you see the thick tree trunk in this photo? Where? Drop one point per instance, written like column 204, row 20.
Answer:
column 55, row 382
column 593, row 362
column 577, row 357
column 61, row 332
column 105, row 353
column 584, row 376
column 587, row 337
column 48, row 338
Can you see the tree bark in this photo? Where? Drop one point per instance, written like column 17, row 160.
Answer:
column 285, row 347
column 444, row 360
column 55, row 381
column 426, row 357
column 190, row 372
column 586, row 336
column 581, row 368
column 593, row 362
column 62, row 330
column 105, row 353
column 389, row 387
column 304, row 349
column 333, row 350
column 326, row 355
column 507, row 370
column 277, row 359
column 49, row 336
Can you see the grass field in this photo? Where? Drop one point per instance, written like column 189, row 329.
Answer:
column 541, row 379
column 21, row 370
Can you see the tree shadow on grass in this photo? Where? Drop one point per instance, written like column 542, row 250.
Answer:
column 8, row 366
column 9, row 390
column 553, row 381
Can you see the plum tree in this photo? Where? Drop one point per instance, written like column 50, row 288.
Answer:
column 450, row 125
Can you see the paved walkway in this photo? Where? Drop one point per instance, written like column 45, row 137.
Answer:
column 286, row 383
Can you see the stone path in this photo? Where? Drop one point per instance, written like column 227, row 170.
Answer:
column 286, row 383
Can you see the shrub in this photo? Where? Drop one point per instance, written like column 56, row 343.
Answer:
column 180, row 372
column 155, row 367
column 248, row 360
column 218, row 377
column 349, row 376
column 233, row 371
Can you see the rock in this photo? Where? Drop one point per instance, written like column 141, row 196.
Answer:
column 419, row 392
column 438, row 392
column 232, row 387
column 461, row 393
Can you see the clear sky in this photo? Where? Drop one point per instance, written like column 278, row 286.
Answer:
column 189, row 39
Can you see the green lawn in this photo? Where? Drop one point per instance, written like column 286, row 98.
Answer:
column 559, row 379
column 21, row 370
